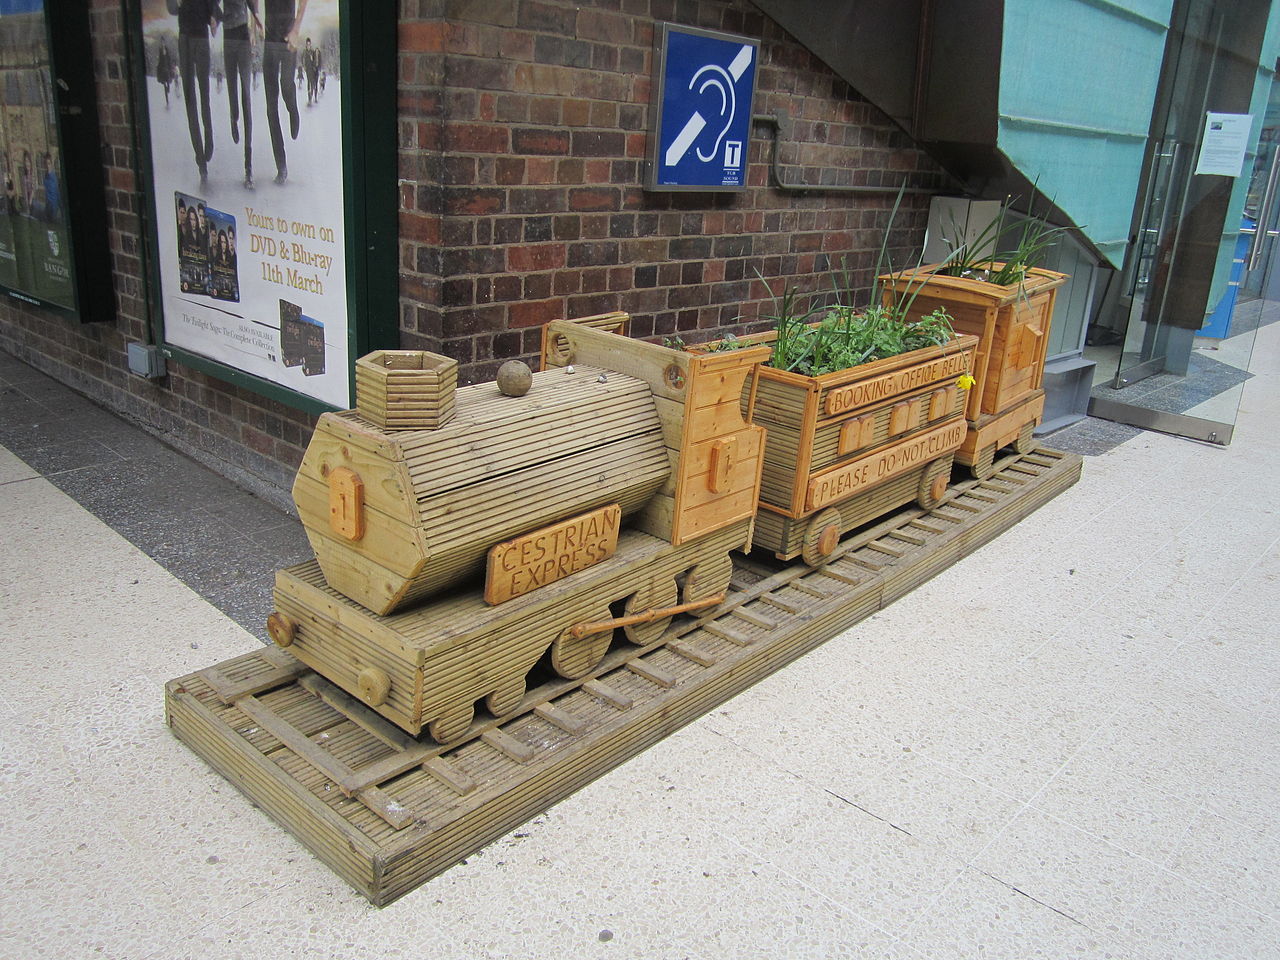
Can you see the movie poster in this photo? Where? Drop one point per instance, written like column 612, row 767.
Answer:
column 246, row 133
column 35, row 249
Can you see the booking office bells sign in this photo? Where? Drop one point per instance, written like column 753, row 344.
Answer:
column 704, row 91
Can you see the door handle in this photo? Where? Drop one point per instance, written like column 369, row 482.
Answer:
column 1264, row 213
column 1165, row 159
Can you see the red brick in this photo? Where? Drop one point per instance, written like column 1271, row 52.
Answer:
column 545, row 110
column 576, row 113
column 532, row 257
column 598, row 143
column 570, row 172
column 484, row 71
column 594, row 198
column 599, row 25
column 533, row 313
column 421, row 37
column 539, row 141
column 476, row 138
column 509, row 170
column 475, row 202
column 423, row 229
column 541, row 170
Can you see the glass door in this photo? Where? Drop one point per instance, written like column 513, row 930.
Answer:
column 1259, row 281
column 1181, row 354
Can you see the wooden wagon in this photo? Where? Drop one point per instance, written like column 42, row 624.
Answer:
column 847, row 447
column 1012, row 326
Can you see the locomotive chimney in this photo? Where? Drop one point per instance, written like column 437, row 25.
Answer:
column 406, row 389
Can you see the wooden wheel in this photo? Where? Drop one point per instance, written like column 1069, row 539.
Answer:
column 1025, row 442
column 573, row 657
column 983, row 464
column 374, row 685
column 281, row 628
column 708, row 578
column 652, row 596
column 506, row 697
column 453, row 724
column 821, row 536
column 556, row 352
column 933, row 485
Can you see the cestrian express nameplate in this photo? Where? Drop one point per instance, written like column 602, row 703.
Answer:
column 536, row 559
column 843, row 399
column 842, row 482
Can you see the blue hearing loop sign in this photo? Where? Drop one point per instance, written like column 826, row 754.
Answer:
column 704, row 92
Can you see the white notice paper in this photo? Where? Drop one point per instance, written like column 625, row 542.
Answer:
column 1226, row 139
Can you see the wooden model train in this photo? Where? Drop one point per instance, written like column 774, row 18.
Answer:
column 464, row 535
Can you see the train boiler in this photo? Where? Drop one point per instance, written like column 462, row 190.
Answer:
column 462, row 535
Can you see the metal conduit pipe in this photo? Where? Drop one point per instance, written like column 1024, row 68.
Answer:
column 775, row 169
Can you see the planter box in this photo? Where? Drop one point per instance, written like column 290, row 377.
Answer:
column 1012, row 326
column 847, row 447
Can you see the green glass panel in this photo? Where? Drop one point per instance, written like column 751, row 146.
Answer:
column 1077, row 84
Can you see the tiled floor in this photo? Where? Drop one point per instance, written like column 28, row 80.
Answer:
column 1211, row 389
column 224, row 543
column 1065, row 746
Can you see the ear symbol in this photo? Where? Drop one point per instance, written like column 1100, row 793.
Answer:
column 728, row 102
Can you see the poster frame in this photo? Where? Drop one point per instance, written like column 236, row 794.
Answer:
column 75, row 98
column 367, row 44
column 657, row 104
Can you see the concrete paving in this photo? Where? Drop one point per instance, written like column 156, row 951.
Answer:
column 1065, row 746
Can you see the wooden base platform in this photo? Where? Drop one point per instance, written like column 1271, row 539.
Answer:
column 388, row 812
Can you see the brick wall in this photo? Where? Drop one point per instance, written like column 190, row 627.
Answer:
column 522, row 131
column 533, row 156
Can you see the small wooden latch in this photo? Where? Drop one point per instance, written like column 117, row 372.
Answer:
column 856, row 434
column 346, row 503
column 1025, row 350
column 722, row 455
column 904, row 416
column 940, row 402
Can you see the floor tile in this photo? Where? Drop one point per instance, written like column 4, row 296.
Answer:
column 83, row 452
column 1179, row 919
column 979, row 916
column 932, row 803
column 1245, row 789
column 1231, row 858
column 1079, row 875
column 13, row 468
column 1125, row 811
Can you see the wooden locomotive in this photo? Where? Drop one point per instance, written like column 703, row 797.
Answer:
column 462, row 535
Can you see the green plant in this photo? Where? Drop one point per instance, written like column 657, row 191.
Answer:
column 1003, row 251
column 725, row 344
column 845, row 337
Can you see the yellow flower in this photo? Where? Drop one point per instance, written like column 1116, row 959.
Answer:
column 965, row 381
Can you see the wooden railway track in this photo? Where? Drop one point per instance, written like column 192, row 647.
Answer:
column 388, row 811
